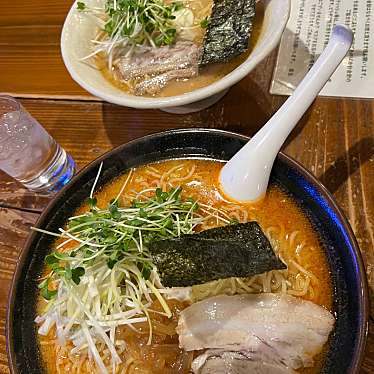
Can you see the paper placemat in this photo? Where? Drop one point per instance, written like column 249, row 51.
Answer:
column 307, row 33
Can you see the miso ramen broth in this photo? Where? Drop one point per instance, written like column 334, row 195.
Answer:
column 166, row 48
column 207, row 75
column 285, row 225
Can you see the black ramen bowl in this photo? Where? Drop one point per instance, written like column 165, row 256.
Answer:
column 347, row 342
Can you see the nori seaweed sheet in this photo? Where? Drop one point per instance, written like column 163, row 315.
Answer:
column 240, row 250
column 228, row 31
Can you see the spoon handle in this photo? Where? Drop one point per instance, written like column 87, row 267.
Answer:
column 245, row 177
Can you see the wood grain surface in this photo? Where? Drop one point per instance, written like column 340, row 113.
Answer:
column 334, row 139
column 30, row 58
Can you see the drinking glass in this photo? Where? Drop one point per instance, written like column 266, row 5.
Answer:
column 28, row 153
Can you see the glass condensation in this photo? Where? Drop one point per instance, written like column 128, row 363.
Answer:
column 28, row 153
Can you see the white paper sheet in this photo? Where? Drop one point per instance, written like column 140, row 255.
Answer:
column 307, row 33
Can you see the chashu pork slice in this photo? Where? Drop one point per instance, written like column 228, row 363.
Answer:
column 149, row 69
column 215, row 361
column 276, row 327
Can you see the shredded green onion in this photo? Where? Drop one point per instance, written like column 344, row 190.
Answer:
column 107, row 278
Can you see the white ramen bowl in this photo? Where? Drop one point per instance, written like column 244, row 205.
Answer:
column 79, row 29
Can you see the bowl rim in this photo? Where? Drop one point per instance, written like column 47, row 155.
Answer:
column 202, row 93
column 363, row 304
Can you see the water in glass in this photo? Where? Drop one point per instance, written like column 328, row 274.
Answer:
column 28, row 153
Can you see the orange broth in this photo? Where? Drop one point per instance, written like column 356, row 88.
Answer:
column 280, row 218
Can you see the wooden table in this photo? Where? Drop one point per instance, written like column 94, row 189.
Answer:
column 334, row 140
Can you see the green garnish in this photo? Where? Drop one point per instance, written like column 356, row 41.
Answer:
column 204, row 23
column 125, row 26
column 51, row 259
column 92, row 201
column 146, row 271
column 48, row 294
column 81, row 6
column 106, row 278
column 234, row 221
column 76, row 274
column 120, row 234
column 45, row 290
column 141, row 21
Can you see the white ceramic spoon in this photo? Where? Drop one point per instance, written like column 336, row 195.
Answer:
column 246, row 175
